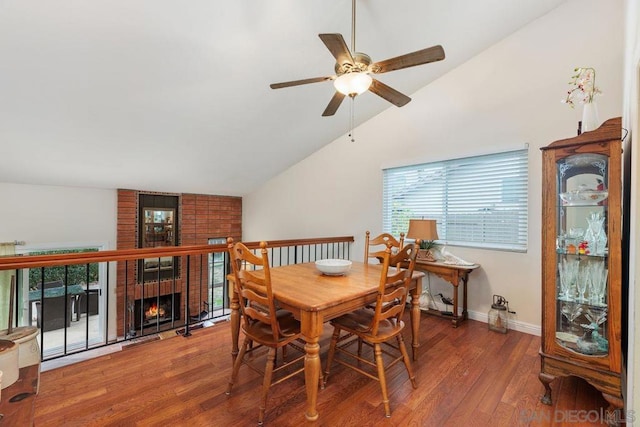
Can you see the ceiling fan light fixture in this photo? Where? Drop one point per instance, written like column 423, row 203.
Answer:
column 352, row 84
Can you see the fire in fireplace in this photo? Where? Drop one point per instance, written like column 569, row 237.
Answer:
column 157, row 310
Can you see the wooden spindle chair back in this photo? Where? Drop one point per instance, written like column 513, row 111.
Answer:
column 394, row 285
column 375, row 247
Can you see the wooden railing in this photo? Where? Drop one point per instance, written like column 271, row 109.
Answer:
column 121, row 290
column 37, row 261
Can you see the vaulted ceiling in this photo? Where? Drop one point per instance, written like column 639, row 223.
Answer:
column 164, row 95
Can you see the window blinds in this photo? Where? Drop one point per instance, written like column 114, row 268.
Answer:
column 477, row 201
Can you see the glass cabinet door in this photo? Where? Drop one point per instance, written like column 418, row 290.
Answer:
column 582, row 254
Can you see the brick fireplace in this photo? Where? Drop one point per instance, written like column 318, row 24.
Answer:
column 201, row 217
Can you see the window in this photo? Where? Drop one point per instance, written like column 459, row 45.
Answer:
column 219, row 305
column 477, row 201
column 65, row 302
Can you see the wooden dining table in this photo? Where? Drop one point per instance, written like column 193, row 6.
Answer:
column 315, row 298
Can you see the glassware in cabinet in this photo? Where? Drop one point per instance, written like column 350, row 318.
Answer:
column 581, row 261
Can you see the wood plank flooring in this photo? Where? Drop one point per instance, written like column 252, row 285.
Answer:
column 467, row 376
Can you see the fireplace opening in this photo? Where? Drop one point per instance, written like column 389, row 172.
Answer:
column 157, row 310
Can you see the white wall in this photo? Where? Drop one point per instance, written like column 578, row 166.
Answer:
column 55, row 217
column 45, row 215
column 632, row 122
column 502, row 99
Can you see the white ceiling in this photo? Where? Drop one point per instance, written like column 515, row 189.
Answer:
column 174, row 96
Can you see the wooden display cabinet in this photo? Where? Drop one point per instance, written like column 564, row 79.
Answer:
column 581, row 262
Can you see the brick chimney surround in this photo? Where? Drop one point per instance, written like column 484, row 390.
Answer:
column 201, row 217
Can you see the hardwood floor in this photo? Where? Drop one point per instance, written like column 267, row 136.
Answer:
column 467, row 376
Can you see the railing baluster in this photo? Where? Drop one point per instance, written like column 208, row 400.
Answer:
column 128, row 309
column 66, row 308
column 225, row 287
column 187, row 333
column 141, row 278
column 157, row 296
column 86, row 335
column 40, row 312
column 106, row 297
column 173, row 295
column 200, row 304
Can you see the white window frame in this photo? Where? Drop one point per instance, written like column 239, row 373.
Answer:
column 42, row 247
column 479, row 201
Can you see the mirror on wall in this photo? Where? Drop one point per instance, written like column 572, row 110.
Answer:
column 158, row 230
column 158, row 226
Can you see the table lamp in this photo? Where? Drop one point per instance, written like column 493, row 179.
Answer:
column 424, row 232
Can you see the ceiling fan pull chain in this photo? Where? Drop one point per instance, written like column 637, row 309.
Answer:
column 351, row 120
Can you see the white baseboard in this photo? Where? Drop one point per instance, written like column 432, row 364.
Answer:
column 526, row 328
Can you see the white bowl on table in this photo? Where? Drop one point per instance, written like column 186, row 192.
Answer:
column 333, row 267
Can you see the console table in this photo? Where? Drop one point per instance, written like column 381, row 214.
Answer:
column 454, row 274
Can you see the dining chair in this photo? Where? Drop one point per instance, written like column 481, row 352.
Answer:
column 263, row 324
column 385, row 240
column 378, row 326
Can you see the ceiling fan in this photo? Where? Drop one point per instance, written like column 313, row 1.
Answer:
column 353, row 70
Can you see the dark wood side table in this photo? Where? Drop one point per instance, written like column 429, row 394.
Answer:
column 454, row 274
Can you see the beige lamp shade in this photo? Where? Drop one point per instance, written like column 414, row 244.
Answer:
column 422, row 229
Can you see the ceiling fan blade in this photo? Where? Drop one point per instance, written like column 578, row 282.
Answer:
column 299, row 82
column 390, row 94
column 338, row 48
column 419, row 57
column 333, row 104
